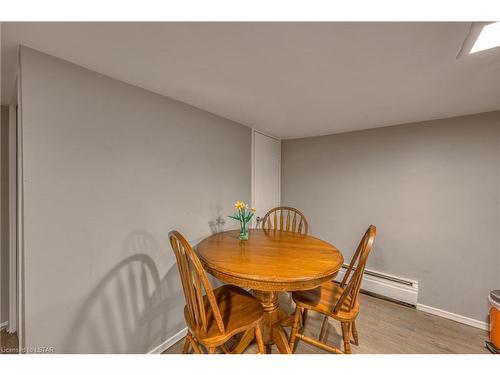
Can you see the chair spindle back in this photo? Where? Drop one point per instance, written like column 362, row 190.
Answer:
column 352, row 283
column 287, row 219
column 194, row 280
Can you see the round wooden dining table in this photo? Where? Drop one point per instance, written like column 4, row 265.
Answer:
column 269, row 262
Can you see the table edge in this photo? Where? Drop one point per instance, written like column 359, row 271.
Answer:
column 269, row 285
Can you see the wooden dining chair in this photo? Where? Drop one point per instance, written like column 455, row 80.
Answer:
column 287, row 219
column 335, row 300
column 214, row 316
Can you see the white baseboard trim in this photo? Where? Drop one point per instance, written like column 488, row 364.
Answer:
column 389, row 286
column 4, row 324
column 452, row 316
column 169, row 342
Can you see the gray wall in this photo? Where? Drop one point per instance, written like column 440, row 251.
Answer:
column 4, row 214
column 109, row 169
column 431, row 188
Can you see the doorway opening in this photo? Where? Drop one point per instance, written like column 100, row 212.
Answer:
column 266, row 174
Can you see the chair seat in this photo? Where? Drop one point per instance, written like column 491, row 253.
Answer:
column 239, row 310
column 324, row 298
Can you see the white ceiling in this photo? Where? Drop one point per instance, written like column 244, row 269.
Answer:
column 288, row 79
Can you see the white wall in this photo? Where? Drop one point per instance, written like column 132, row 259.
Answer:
column 109, row 169
column 432, row 189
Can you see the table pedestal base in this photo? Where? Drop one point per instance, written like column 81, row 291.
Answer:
column 272, row 332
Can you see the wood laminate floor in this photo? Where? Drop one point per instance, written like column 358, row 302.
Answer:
column 383, row 326
column 8, row 342
column 387, row 327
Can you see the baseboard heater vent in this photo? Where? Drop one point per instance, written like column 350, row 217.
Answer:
column 389, row 286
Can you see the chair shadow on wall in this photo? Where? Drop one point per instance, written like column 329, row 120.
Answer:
column 128, row 310
column 216, row 225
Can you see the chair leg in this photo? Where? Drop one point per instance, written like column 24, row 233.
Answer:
column 187, row 344
column 211, row 349
column 355, row 333
column 295, row 326
column 258, row 338
column 245, row 340
column 346, row 336
column 324, row 328
column 193, row 343
column 303, row 318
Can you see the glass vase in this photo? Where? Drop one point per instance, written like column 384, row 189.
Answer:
column 243, row 231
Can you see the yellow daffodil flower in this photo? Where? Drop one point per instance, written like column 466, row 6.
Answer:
column 239, row 205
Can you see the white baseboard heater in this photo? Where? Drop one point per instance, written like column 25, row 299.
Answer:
column 385, row 285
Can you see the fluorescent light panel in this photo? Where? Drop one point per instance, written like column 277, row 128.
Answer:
column 488, row 38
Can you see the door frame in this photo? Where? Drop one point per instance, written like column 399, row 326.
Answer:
column 16, row 222
column 13, row 271
column 252, row 190
column 20, row 213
